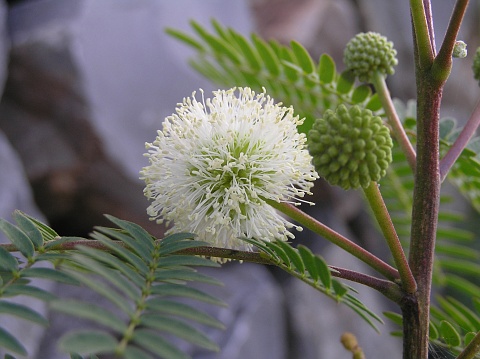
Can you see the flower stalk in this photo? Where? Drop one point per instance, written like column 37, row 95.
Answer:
column 398, row 131
column 460, row 143
column 319, row 228
column 375, row 199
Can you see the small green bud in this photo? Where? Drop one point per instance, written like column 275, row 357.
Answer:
column 351, row 147
column 369, row 52
column 459, row 50
column 476, row 65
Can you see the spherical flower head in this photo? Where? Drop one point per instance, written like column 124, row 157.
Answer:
column 367, row 53
column 350, row 147
column 476, row 65
column 216, row 162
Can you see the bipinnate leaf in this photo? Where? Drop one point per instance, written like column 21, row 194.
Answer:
column 313, row 270
column 143, row 280
column 288, row 73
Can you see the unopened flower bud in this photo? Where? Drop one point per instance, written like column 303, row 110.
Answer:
column 351, row 147
column 459, row 50
column 367, row 53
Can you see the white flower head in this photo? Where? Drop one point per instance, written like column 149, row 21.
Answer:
column 215, row 162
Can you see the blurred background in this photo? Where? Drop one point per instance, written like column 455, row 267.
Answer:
column 85, row 83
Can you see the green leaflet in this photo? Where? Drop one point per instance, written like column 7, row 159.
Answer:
column 449, row 334
column 9, row 342
column 22, row 311
column 157, row 344
column 179, row 329
column 91, row 312
column 18, row 238
column 326, row 69
column 88, row 342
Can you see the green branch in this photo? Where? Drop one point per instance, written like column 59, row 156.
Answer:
column 443, row 62
column 423, row 36
column 390, row 289
column 460, row 143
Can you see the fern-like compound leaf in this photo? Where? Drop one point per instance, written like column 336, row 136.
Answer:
column 313, row 270
column 288, row 73
column 148, row 301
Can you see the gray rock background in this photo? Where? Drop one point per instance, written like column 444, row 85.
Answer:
column 89, row 82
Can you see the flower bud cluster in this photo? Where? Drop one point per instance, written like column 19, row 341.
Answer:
column 351, row 147
column 367, row 53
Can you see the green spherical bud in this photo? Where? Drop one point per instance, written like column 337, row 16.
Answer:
column 370, row 52
column 476, row 65
column 459, row 50
column 351, row 147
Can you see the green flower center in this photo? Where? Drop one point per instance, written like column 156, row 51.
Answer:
column 229, row 170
